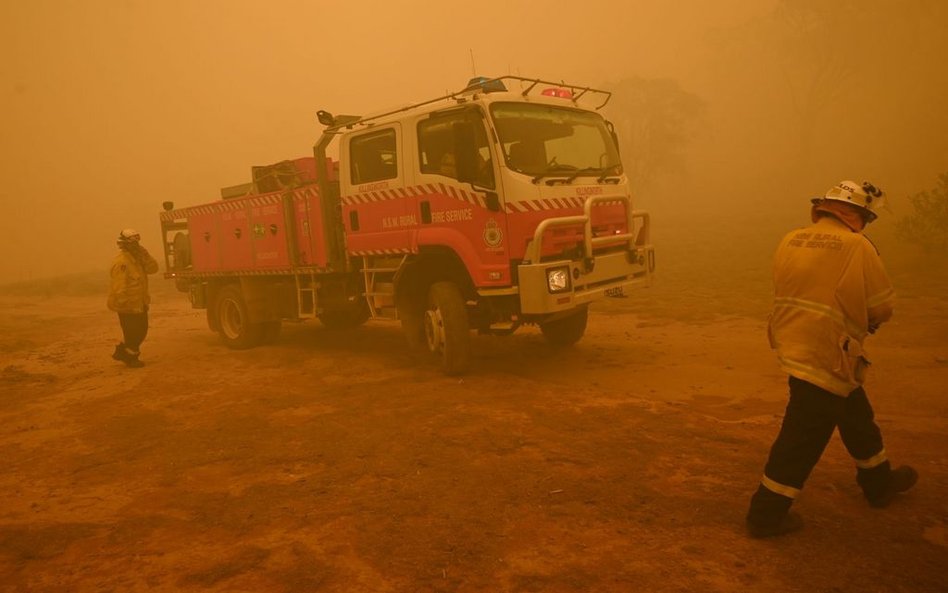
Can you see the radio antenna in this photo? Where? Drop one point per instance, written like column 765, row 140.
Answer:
column 473, row 67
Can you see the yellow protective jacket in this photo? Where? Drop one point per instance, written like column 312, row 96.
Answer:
column 830, row 288
column 129, row 288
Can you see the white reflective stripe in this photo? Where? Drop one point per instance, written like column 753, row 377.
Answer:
column 810, row 306
column 817, row 376
column 878, row 299
column 874, row 461
column 788, row 491
column 820, row 309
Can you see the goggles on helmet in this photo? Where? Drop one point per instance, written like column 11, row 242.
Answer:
column 129, row 236
column 865, row 196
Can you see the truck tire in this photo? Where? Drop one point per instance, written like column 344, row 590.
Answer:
column 447, row 329
column 566, row 331
column 233, row 320
column 345, row 318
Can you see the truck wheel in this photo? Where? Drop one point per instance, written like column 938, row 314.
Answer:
column 236, row 330
column 566, row 331
column 447, row 330
column 345, row 318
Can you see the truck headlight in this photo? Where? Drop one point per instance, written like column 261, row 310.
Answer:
column 557, row 279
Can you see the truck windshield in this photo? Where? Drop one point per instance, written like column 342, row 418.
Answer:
column 544, row 140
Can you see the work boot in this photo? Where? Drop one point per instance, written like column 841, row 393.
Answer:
column 788, row 523
column 131, row 358
column 900, row 479
column 120, row 353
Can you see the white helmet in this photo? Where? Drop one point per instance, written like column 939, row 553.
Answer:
column 129, row 236
column 865, row 196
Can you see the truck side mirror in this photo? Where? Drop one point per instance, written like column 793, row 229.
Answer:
column 612, row 132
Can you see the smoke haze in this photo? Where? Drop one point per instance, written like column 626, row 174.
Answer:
column 110, row 108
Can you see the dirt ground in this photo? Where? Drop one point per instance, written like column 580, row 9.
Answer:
column 331, row 461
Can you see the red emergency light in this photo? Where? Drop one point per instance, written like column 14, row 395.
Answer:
column 557, row 92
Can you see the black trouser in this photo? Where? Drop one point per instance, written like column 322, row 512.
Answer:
column 134, row 329
column 812, row 415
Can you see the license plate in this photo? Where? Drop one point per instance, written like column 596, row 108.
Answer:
column 617, row 293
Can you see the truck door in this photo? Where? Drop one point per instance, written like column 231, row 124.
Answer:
column 458, row 198
column 372, row 180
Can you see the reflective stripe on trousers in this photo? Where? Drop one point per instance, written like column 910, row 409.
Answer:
column 811, row 417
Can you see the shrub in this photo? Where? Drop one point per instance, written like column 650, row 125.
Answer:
column 927, row 225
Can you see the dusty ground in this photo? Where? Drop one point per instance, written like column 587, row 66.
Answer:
column 330, row 462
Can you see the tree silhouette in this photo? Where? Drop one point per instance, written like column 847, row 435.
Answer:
column 927, row 225
column 831, row 51
column 654, row 119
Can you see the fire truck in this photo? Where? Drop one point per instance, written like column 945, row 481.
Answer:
column 500, row 205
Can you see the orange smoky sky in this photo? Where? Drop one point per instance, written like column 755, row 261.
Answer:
column 111, row 107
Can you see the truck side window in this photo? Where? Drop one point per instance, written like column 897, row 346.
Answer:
column 373, row 157
column 441, row 142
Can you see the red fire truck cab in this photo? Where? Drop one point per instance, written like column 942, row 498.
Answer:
column 499, row 205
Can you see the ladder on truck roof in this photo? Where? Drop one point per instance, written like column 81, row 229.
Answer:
column 484, row 85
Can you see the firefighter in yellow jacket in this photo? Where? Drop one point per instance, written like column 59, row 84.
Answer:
column 128, row 295
column 831, row 292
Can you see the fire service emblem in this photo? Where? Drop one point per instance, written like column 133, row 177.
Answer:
column 493, row 236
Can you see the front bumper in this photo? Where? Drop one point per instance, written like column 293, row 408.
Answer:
column 624, row 260
column 611, row 272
